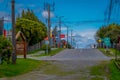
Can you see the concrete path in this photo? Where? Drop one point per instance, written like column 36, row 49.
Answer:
column 70, row 64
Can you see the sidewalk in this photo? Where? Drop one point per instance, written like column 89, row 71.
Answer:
column 32, row 56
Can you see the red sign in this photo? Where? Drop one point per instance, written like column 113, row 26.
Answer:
column 4, row 33
column 62, row 36
column 46, row 38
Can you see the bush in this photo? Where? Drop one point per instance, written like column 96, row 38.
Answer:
column 44, row 47
column 5, row 50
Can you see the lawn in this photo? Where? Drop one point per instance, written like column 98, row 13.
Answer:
column 22, row 66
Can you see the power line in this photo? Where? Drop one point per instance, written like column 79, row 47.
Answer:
column 112, row 10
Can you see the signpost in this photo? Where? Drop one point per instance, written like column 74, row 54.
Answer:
column 99, row 41
column 106, row 41
column 47, row 43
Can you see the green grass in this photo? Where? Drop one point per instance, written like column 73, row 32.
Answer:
column 111, row 52
column 22, row 66
column 35, row 51
column 101, row 69
column 53, row 69
column 114, row 71
column 105, row 69
column 53, row 52
column 97, row 78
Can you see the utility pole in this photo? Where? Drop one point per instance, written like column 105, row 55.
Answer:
column 13, row 33
column 67, row 36
column 59, row 39
column 49, row 7
column 1, row 25
column 71, row 37
column 49, row 25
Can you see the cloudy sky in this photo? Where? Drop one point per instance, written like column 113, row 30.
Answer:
column 77, row 15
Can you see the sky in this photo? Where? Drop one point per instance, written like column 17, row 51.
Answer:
column 74, row 13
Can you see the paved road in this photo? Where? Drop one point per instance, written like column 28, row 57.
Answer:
column 77, row 54
column 70, row 64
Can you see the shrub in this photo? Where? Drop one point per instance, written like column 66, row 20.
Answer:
column 5, row 50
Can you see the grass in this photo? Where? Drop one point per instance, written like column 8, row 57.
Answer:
column 111, row 52
column 96, row 78
column 53, row 69
column 115, row 72
column 53, row 52
column 22, row 66
column 105, row 69
column 100, row 70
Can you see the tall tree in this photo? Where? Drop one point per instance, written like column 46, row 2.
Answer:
column 33, row 29
column 112, row 31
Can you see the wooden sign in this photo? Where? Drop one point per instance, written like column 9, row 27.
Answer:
column 21, row 44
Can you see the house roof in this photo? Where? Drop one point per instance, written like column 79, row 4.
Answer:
column 20, row 34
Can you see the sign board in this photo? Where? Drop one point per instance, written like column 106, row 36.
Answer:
column 107, row 41
column 21, row 47
column 62, row 36
column 46, row 42
column 99, row 40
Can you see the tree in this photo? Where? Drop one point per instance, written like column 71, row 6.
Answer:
column 112, row 31
column 113, row 34
column 33, row 29
column 100, row 33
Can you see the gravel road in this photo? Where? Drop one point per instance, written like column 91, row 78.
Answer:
column 70, row 64
column 77, row 54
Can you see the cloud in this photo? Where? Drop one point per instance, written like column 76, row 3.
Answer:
column 45, row 14
column 62, row 28
column 83, row 38
column 89, row 33
column 7, row 18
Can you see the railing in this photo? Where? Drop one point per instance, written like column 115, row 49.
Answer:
column 35, row 47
